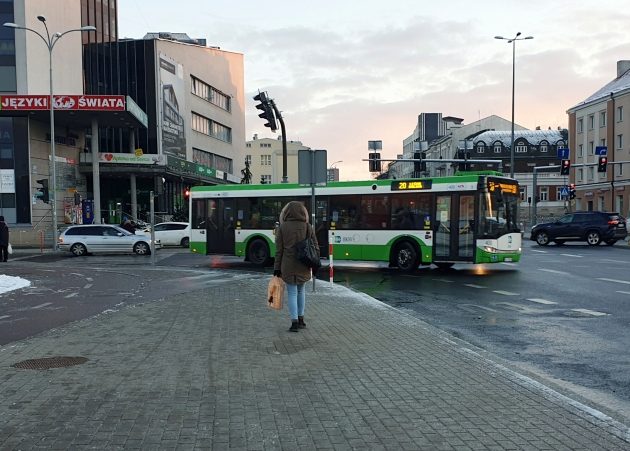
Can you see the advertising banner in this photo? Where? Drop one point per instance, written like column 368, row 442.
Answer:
column 62, row 102
column 172, row 107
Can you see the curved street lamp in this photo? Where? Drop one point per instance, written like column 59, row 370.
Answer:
column 513, row 42
column 50, row 42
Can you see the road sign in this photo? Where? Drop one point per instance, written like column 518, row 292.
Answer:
column 601, row 150
column 564, row 191
column 563, row 153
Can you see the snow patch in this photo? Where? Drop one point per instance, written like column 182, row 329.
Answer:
column 10, row 283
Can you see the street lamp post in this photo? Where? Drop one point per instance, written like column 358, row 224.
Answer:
column 50, row 42
column 513, row 42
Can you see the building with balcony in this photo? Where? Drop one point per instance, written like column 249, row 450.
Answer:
column 265, row 157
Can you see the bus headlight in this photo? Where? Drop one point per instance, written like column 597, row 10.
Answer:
column 490, row 249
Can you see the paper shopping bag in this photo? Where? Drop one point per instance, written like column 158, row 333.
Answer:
column 275, row 293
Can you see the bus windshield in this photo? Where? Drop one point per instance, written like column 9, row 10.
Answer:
column 498, row 213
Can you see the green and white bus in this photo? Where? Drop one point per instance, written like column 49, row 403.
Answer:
column 465, row 218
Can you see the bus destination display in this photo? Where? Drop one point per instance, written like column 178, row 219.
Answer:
column 408, row 185
column 504, row 187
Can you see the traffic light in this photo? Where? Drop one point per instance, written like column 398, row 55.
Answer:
column 602, row 163
column 43, row 192
column 375, row 162
column 417, row 165
column 572, row 191
column 186, row 193
column 565, row 167
column 267, row 110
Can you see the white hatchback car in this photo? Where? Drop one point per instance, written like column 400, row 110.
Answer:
column 171, row 233
column 92, row 238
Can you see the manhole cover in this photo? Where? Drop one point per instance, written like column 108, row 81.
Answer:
column 49, row 362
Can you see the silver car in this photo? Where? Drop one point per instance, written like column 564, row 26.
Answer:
column 93, row 238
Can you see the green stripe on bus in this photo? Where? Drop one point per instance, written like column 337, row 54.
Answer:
column 488, row 257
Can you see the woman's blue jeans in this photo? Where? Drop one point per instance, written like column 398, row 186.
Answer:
column 296, row 299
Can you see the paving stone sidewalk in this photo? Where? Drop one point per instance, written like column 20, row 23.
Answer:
column 217, row 369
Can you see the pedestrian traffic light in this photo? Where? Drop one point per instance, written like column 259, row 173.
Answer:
column 375, row 162
column 565, row 167
column 43, row 193
column 572, row 191
column 602, row 163
column 267, row 110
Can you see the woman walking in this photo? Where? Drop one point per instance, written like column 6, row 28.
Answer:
column 294, row 227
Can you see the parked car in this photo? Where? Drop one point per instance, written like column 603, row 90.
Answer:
column 593, row 227
column 92, row 238
column 171, row 233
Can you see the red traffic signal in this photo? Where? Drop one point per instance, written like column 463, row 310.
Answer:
column 186, row 193
column 565, row 167
column 602, row 163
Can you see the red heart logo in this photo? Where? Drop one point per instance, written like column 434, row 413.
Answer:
column 109, row 156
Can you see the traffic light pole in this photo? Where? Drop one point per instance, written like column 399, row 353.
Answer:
column 284, row 141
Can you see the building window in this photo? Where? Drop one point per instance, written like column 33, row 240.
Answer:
column 544, row 146
column 212, row 160
column 590, row 148
column 248, row 159
column 619, row 169
column 248, row 144
column 481, row 147
column 521, row 148
column 210, row 94
column 580, row 174
column 544, row 193
column 591, row 173
column 591, row 122
column 580, row 125
column 265, row 160
column 619, row 114
column 498, row 147
column 580, row 150
column 209, row 127
column 602, row 119
column 265, row 145
column 619, row 142
column 265, row 178
column 602, row 142
column 619, row 203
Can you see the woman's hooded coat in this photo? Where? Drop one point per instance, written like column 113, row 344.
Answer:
column 293, row 227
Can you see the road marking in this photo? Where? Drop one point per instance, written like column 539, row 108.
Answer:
column 623, row 292
column 572, row 255
column 505, row 293
column 613, row 261
column 71, row 295
column 89, row 285
column 444, row 280
column 472, row 285
column 552, row 270
column 536, row 250
column 5, row 316
column 473, row 308
column 589, row 312
column 41, row 305
column 614, row 280
column 89, row 279
column 508, row 263
column 541, row 301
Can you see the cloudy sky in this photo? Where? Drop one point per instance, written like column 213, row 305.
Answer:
column 344, row 73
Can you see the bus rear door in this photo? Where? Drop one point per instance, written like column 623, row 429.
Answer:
column 220, row 227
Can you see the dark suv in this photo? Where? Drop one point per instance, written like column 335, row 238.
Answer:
column 590, row 226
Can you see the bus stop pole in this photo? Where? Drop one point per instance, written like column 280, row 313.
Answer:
column 152, row 219
column 313, row 218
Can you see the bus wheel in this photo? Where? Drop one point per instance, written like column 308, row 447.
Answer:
column 444, row 265
column 406, row 256
column 258, row 252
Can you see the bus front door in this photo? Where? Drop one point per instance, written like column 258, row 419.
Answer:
column 454, row 227
column 220, row 227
